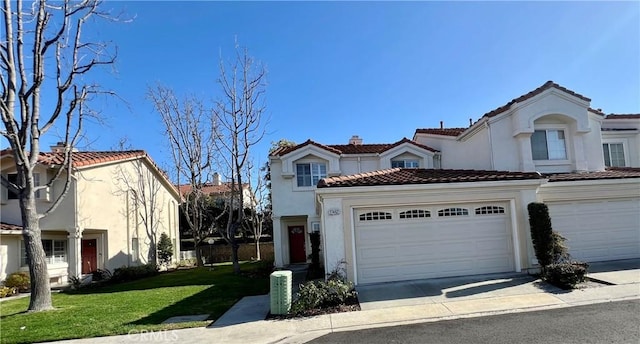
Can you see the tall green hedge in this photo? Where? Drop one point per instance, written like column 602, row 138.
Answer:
column 541, row 233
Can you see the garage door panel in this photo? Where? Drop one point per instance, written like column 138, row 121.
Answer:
column 405, row 249
column 599, row 230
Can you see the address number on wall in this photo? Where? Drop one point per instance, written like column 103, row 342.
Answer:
column 334, row 211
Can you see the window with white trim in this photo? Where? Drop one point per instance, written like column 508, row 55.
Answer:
column 489, row 210
column 309, row 174
column 414, row 214
column 613, row 154
column 375, row 216
column 54, row 250
column 13, row 178
column 453, row 212
column 548, row 145
column 405, row 163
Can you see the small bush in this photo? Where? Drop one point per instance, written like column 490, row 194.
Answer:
column 190, row 262
column 6, row 291
column 19, row 280
column 75, row 282
column 165, row 249
column 131, row 273
column 101, row 275
column 566, row 275
column 322, row 294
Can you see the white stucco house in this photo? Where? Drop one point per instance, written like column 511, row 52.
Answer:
column 118, row 203
column 453, row 201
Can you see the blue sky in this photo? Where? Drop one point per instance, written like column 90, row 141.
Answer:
column 376, row 69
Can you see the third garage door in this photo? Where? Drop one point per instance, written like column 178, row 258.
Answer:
column 405, row 243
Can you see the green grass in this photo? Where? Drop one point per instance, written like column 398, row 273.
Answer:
column 133, row 306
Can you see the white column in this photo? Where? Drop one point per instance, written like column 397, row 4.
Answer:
column 278, row 242
column 580, row 153
column 74, row 248
column 526, row 158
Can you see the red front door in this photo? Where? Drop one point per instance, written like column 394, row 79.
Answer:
column 296, row 244
column 89, row 256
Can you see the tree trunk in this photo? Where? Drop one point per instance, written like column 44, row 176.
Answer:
column 196, row 247
column 257, row 248
column 40, row 284
column 234, row 256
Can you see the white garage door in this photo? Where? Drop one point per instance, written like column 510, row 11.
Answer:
column 599, row 231
column 394, row 244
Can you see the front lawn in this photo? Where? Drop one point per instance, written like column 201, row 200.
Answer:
column 134, row 306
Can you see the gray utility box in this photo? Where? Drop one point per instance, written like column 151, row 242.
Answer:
column 280, row 291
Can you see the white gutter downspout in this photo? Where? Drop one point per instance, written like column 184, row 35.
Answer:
column 486, row 124
column 323, row 239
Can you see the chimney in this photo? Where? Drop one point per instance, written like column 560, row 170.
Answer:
column 59, row 147
column 441, row 125
column 355, row 140
column 216, row 179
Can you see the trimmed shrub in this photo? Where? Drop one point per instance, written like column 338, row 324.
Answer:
column 566, row 275
column 6, row 291
column 131, row 273
column 101, row 275
column 322, row 294
column 541, row 233
column 165, row 249
column 75, row 282
column 19, row 280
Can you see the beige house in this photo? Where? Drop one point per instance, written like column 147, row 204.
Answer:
column 117, row 206
column 453, row 201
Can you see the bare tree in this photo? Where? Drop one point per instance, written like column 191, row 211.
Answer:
column 188, row 129
column 259, row 207
column 239, row 124
column 143, row 189
column 42, row 51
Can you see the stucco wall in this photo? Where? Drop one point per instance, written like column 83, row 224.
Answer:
column 106, row 203
column 9, row 255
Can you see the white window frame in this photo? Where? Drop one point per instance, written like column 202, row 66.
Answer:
column 40, row 194
column 547, row 143
column 624, row 151
column 55, row 256
column 314, row 173
column 406, row 163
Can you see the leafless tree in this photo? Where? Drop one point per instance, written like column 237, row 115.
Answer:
column 143, row 189
column 239, row 124
column 189, row 132
column 259, row 208
column 42, row 52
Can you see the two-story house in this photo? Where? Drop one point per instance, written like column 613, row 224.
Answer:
column 453, row 201
column 117, row 206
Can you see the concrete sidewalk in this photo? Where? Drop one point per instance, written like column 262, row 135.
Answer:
column 302, row 330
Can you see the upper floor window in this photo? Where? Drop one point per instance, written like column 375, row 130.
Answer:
column 548, row 145
column 309, row 174
column 408, row 163
column 613, row 154
column 13, row 178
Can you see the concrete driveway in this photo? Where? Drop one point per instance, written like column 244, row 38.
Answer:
column 439, row 290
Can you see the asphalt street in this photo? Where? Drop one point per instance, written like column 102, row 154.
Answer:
column 613, row 322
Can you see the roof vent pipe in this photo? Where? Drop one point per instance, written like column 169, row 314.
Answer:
column 441, row 125
column 470, row 121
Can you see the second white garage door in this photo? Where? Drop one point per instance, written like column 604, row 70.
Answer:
column 405, row 243
column 599, row 231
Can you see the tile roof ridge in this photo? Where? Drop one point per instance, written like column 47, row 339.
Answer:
column 622, row 116
column 325, row 181
column 547, row 85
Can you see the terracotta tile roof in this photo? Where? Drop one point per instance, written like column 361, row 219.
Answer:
column 623, row 116
column 404, row 176
column 371, row 148
column 547, row 85
column 85, row 158
column 609, row 173
column 443, row 131
column 286, row 150
column 10, row 227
